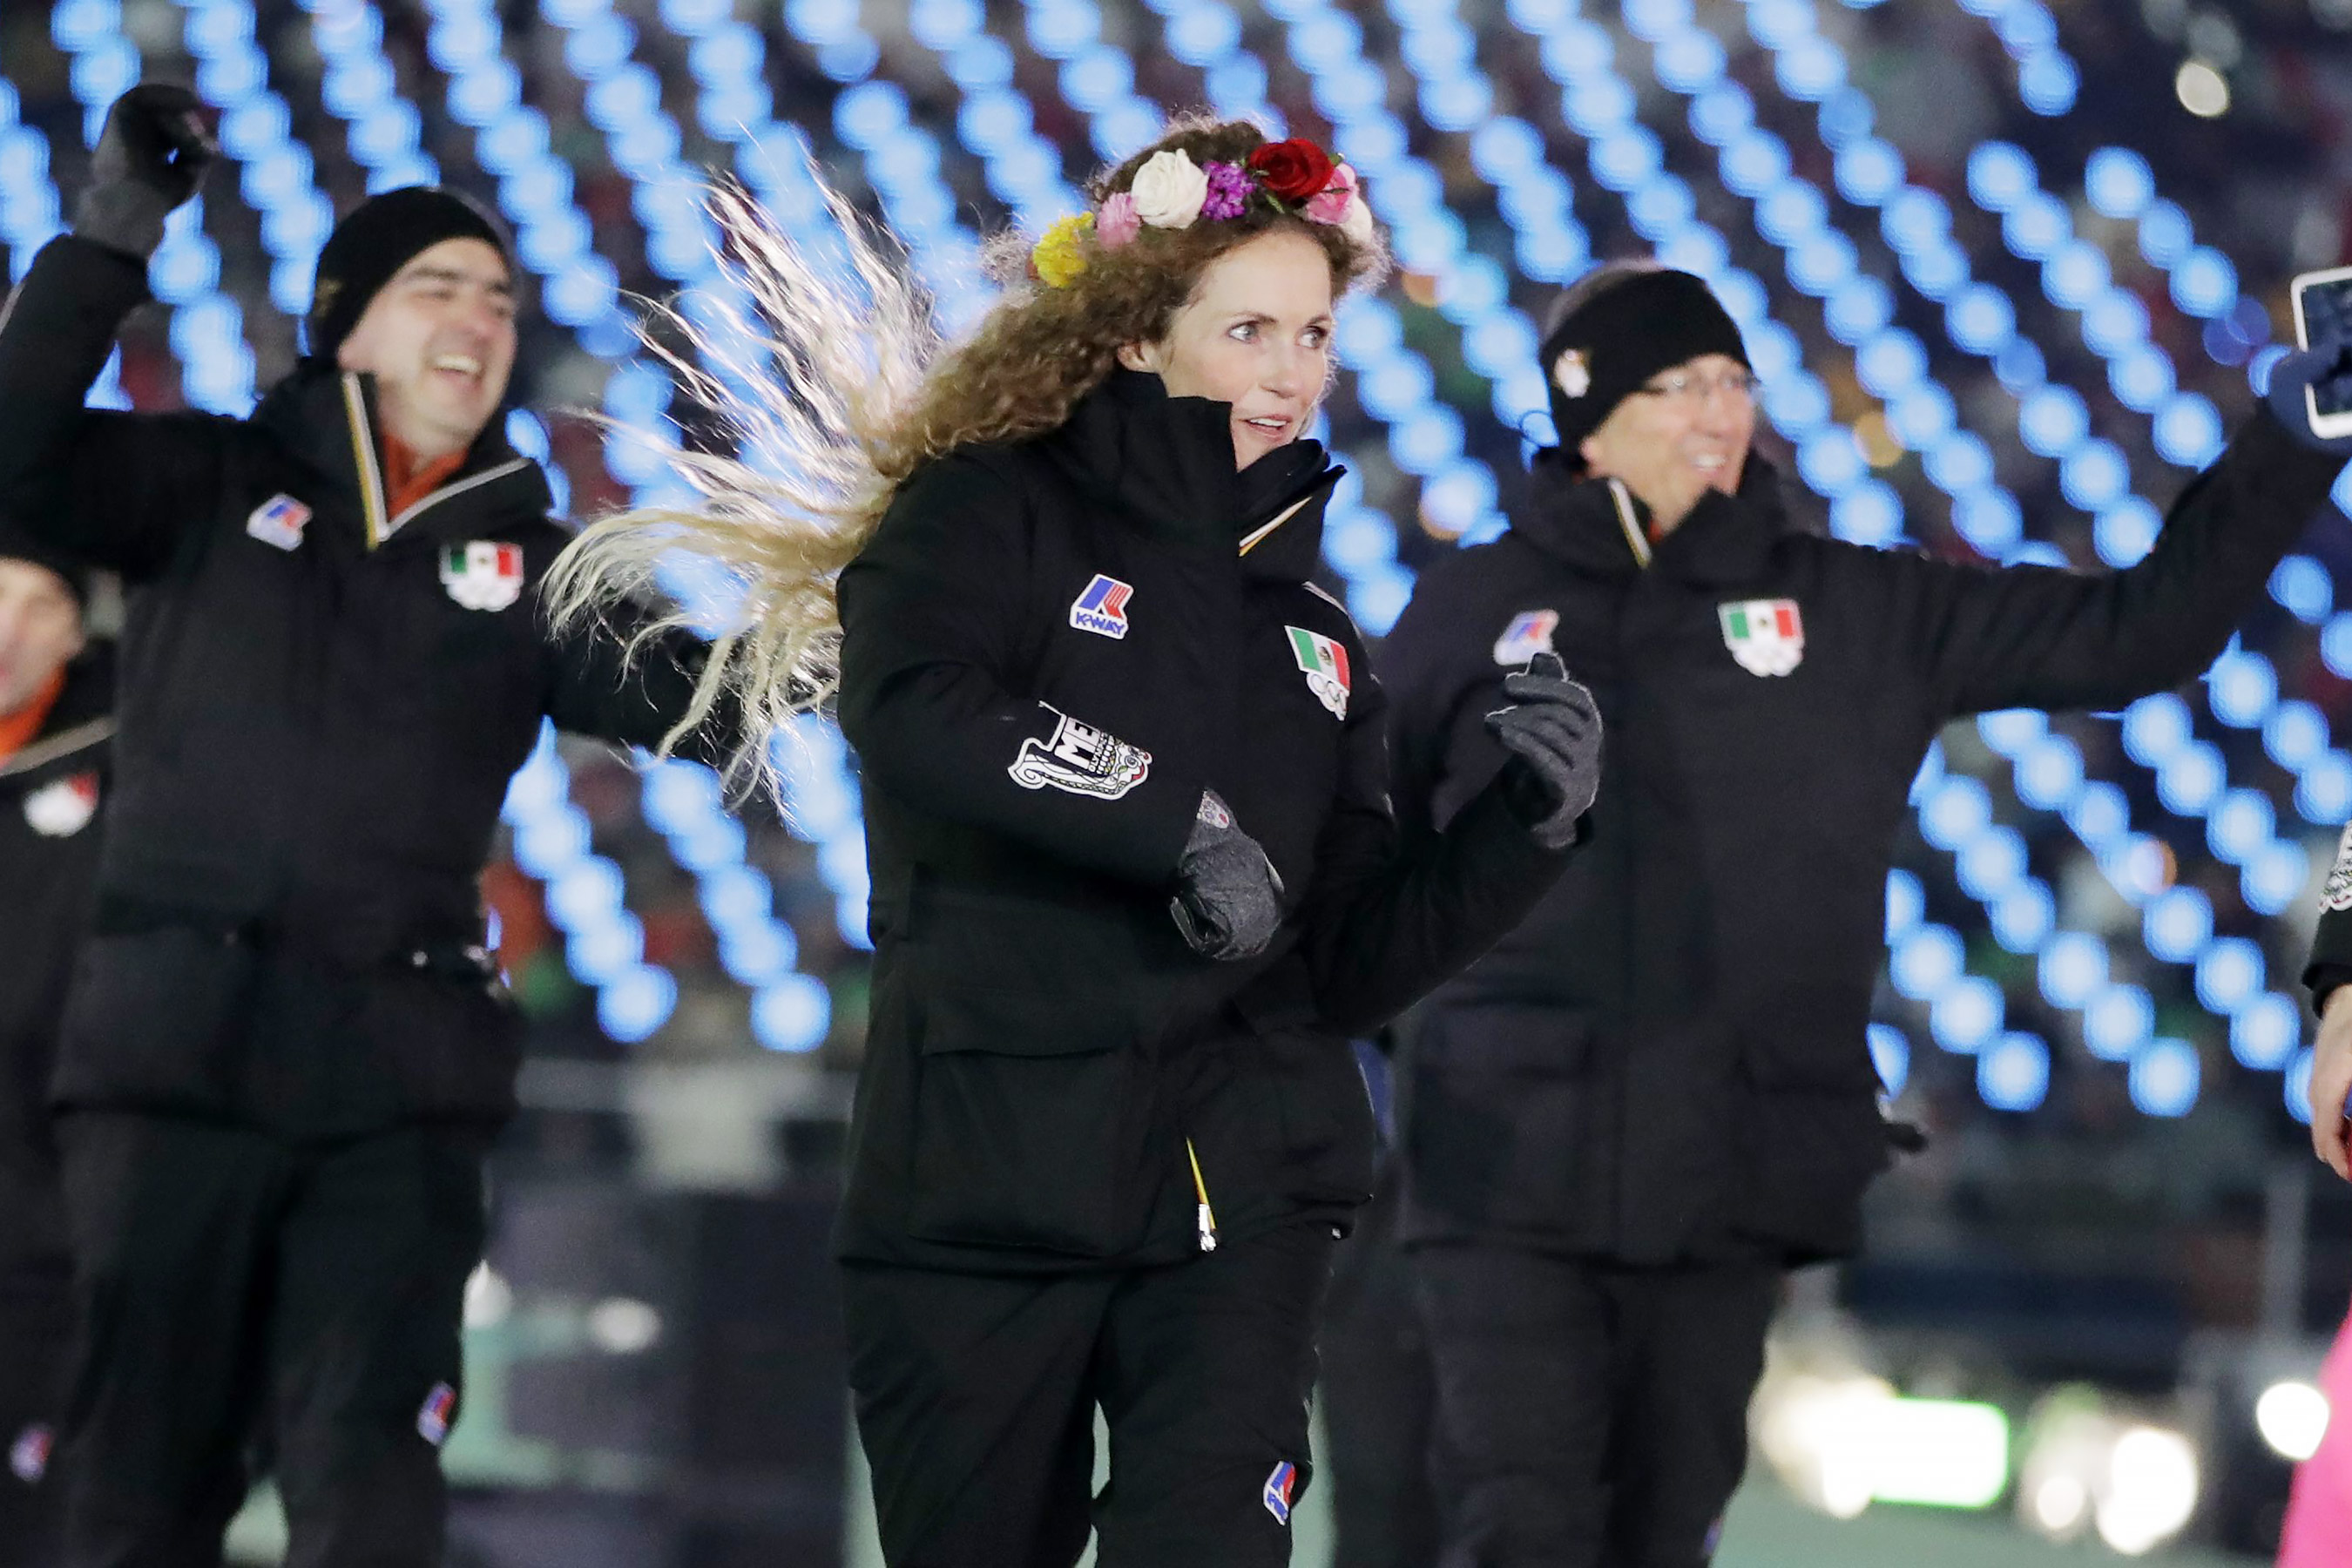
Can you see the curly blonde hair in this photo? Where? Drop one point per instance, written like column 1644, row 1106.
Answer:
column 830, row 390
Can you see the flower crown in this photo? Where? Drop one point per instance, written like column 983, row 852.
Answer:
column 1171, row 190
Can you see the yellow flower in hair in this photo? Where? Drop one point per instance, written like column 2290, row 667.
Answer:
column 1061, row 256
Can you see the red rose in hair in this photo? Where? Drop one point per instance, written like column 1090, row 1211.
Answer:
column 1293, row 170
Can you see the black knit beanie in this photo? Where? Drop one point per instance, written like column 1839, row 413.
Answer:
column 375, row 240
column 18, row 546
column 1624, row 335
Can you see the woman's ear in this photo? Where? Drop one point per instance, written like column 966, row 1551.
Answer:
column 1139, row 356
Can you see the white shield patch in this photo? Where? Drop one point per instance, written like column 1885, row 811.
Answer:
column 278, row 522
column 1766, row 636
column 2338, row 892
column 62, row 809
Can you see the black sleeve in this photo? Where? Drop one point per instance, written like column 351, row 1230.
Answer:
column 2032, row 636
column 932, row 615
column 1385, row 922
column 602, row 683
column 112, row 488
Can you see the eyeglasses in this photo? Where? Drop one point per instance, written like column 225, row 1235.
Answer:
column 1681, row 386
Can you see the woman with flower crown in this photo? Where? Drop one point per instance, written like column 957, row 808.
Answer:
column 1134, row 880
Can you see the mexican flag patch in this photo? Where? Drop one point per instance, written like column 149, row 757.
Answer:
column 483, row 574
column 1766, row 636
column 1326, row 664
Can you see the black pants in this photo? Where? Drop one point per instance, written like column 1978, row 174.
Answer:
column 976, row 1396
column 1378, row 1401
column 36, row 1321
column 233, row 1288
column 1591, row 1415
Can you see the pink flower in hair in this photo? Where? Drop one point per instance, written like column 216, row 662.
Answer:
column 1117, row 223
column 1331, row 203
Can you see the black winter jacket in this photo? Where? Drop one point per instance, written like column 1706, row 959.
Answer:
column 52, row 792
column 321, row 707
column 1051, row 650
column 1668, row 1059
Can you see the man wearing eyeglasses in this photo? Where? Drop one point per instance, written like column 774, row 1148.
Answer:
column 1626, row 1123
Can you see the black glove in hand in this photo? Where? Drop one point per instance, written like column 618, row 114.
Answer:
column 2326, row 357
column 1552, row 729
column 149, row 158
column 1230, row 900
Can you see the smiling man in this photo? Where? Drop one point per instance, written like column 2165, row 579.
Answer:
column 1628, row 1120
column 286, row 1050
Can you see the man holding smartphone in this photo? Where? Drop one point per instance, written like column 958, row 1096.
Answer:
column 1634, row 1115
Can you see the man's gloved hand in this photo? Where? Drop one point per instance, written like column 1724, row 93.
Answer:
column 2327, row 356
column 1552, row 729
column 149, row 158
column 1228, row 904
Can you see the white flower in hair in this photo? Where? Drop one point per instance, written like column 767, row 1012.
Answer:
column 1169, row 189
column 1358, row 224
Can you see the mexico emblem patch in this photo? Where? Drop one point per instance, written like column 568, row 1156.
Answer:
column 1325, row 663
column 483, row 574
column 2338, row 894
column 1078, row 759
column 1766, row 636
column 62, row 809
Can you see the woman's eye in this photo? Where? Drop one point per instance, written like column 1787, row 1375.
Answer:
column 1246, row 332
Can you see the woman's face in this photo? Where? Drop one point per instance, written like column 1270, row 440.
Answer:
column 1256, row 334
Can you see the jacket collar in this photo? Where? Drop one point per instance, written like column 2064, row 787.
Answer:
column 1601, row 528
column 1167, row 464
column 79, row 727
column 327, row 418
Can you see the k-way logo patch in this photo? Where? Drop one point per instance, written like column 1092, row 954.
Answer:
column 1079, row 759
column 1528, row 635
column 1101, row 608
column 1279, row 1488
column 1766, row 636
column 483, row 574
column 279, row 521
column 1325, row 663
column 62, row 809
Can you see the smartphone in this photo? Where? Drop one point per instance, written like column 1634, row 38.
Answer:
column 2323, row 306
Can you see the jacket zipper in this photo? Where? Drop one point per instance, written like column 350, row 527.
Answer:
column 373, row 503
column 1203, row 1215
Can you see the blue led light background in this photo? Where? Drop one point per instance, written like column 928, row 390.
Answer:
column 2006, row 323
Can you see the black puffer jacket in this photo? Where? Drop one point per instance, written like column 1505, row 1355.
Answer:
column 1052, row 649
column 53, row 794
column 320, row 706
column 1668, row 1057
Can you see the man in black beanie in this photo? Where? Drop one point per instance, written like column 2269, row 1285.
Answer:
column 1627, row 1122
column 286, row 1048
column 57, row 707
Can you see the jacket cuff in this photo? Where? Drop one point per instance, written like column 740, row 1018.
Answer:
column 2277, row 458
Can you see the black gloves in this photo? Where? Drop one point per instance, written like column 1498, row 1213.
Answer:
column 1228, row 904
column 1552, row 729
column 2325, row 358
column 149, row 158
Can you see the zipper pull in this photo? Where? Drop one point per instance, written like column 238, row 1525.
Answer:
column 1203, row 1216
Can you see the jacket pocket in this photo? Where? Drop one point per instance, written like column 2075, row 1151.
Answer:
column 436, row 1045
column 1805, row 1158
column 157, row 1019
column 1501, row 1122
column 1033, row 1122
